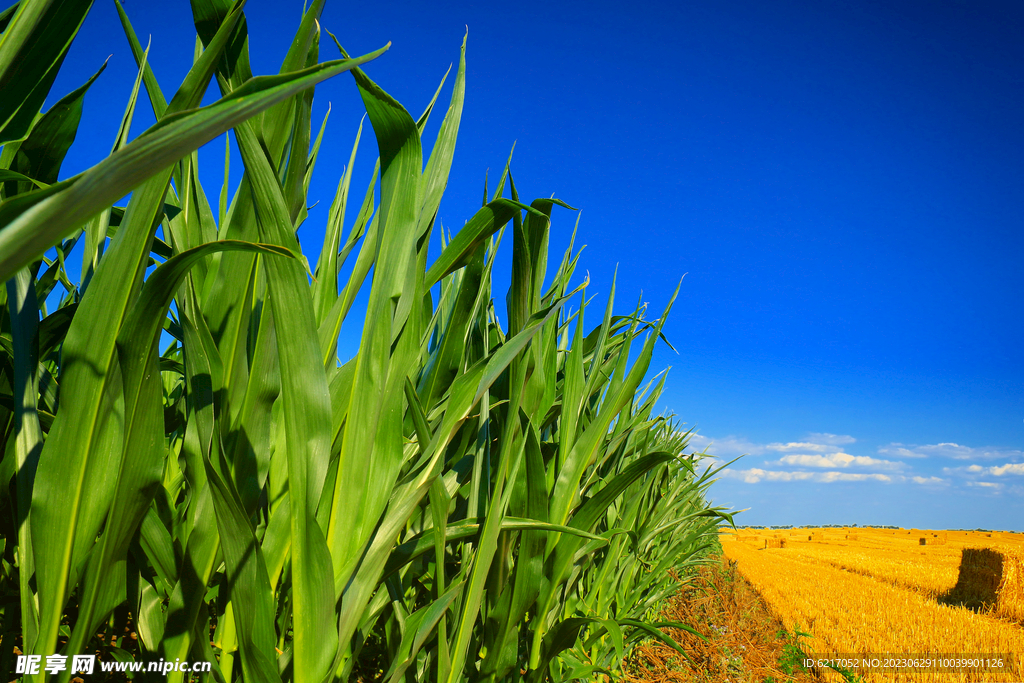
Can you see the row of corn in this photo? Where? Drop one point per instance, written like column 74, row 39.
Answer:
column 469, row 497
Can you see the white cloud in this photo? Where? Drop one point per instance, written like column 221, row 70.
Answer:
column 799, row 446
column 951, row 450
column 849, row 476
column 731, row 446
column 817, row 442
column 831, row 439
column 898, row 449
column 755, row 475
column 995, row 470
column 820, row 458
column 838, row 460
column 727, row 447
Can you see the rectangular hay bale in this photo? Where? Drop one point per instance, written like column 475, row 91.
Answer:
column 993, row 580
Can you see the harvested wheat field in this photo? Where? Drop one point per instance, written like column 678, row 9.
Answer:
column 894, row 592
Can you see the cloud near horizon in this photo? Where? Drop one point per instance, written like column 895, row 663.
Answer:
column 803, row 461
column 816, row 442
column 995, row 470
column 839, row 459
column 724, row 448
column 756, row 475
column 954, row 451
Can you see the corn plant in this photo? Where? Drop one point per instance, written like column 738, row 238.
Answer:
column 469, row 497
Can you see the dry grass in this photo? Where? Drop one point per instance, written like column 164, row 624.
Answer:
column 743, row 638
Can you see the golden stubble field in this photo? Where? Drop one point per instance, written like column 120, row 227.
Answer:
column 892, row 591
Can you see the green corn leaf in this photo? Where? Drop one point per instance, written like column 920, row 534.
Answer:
column 371, row 445
column 41, row 154
column 150, row 622
column 583, row 452
column 586, row 516
column 32, row 49
column 325, row 287
column 418, row 628
column 560, row 638
column 28, row 436
column 307, row 515
column 36, row 228
column 70, row 507
column 654, row 631
column 307, row 415
column 485, row 223
column 7, row 15
column 95, row 230
column 53, row 329
column 314, row 152
column 156, row 96
column 7, row 175
column 250, row 584
column 440, row 162
column 158, row 544
column 141, row 464
column 422, row 543
column 330, row 327
column 202, row 547
column 209, row 16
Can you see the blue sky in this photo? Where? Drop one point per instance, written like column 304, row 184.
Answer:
column 841, row 183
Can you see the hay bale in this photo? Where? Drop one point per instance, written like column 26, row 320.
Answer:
column 922, row 541
column 851, row 537
column 991, row 580
column 774, row 543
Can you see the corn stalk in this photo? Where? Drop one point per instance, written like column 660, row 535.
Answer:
column 461, row 500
